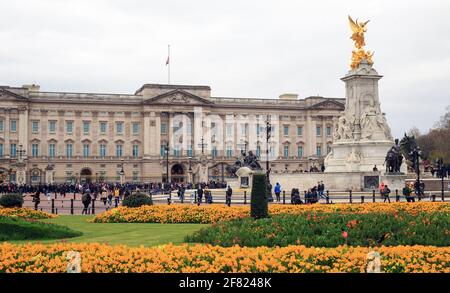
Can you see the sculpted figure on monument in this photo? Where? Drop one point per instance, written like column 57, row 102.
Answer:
column 345, row 128
column 382, row 123
column 369, row 120
column 251, row 161
column 394, row 158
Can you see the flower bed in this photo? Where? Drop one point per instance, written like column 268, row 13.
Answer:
column 328, row 230
column 25, row 213
column 102, row 258
column 214, row 213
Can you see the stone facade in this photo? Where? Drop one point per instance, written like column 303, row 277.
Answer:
column 65, row 136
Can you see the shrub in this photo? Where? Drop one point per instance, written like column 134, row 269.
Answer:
column 325, row 230
column 259, row 207
column 15, row 228
column 11, row 200
column 137, row 200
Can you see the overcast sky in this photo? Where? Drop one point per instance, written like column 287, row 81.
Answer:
column 239, row 48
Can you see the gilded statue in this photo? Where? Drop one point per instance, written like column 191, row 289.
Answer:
column 359, row 54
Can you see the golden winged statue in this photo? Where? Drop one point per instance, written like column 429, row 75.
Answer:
column 358, row 31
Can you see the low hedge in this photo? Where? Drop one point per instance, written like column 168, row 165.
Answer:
column 11, row 200
column 137, row 200
column 16, row 228
column 26, row 213
column 327, row 230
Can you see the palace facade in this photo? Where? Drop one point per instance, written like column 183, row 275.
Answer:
column 62, row 136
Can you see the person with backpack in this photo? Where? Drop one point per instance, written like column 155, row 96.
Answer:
column 228, row 195
column 407, row 193
column 109, row 201
column 37, row 199
column 385, row 193
column 86, row 200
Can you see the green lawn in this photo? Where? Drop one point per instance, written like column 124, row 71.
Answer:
column 123, row 233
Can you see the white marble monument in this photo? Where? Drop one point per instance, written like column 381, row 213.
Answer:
column 362, row 135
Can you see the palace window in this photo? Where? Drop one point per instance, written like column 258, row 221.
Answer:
column 176, row 152
column 1, row 125
column 257, row 130
column 258, row 151
column 300, row 151
column 162, row 151
column 286, row 130
column 34, row 150
column 35, row 126
column 229, row 129
column 163, row 128
column 13, row 126
column 51, row 150
column 229, row 152
column 13, row 150
column 69, row 150
column 69, row 127
column 119, row 149
column 86, row 127
column 319, row 151
column 328, row 130
column 318, row 130
column 214, row 151
column 103, row 150
column 86, row 150
column 135, row 150
column 135, row 128
column 119, row 127
column 272, row 151
column 1, row 150
column 299, row 131
column 189, row 151
column 103, row 127
column 52, row 127
column 286, row 151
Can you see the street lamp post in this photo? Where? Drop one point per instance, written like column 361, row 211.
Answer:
column 415, row 155
column 166, row 151
column 268, row 135
column 203, row 145
column 441, row 168
column 190, row 170
column 122, row 173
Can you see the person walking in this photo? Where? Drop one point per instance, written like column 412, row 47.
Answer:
column 386, row 192
column 109, row 201
column 86, row 200
column 199, row 194
column 407, row 193
column 228, row 195
column 37, row 199
column 321, row 189
column 277, row 190
column 116, row 196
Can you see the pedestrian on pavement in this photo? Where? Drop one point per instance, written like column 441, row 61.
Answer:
column 277, row 190
column 228, row 195
column 86, row 200
column 386, row 192
column 199, row 194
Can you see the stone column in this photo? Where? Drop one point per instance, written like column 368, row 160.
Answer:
column 146, row 134
column 6, row 148
column 23, row 128
column 198, row 130
column 156, row 131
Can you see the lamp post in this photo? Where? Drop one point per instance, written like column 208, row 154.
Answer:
column 166, row 151
column 415, row 155
column 268, row 135
column 190, row 170
column 122, row 173
column 441, row 169
column 203, row 145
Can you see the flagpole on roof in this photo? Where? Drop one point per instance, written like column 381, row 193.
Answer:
column 168, row 64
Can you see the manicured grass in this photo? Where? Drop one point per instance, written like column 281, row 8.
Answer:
column 123, row 233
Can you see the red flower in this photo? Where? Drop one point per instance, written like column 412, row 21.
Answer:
column 345, row 234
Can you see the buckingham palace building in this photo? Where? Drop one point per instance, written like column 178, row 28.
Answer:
column 176, row 131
